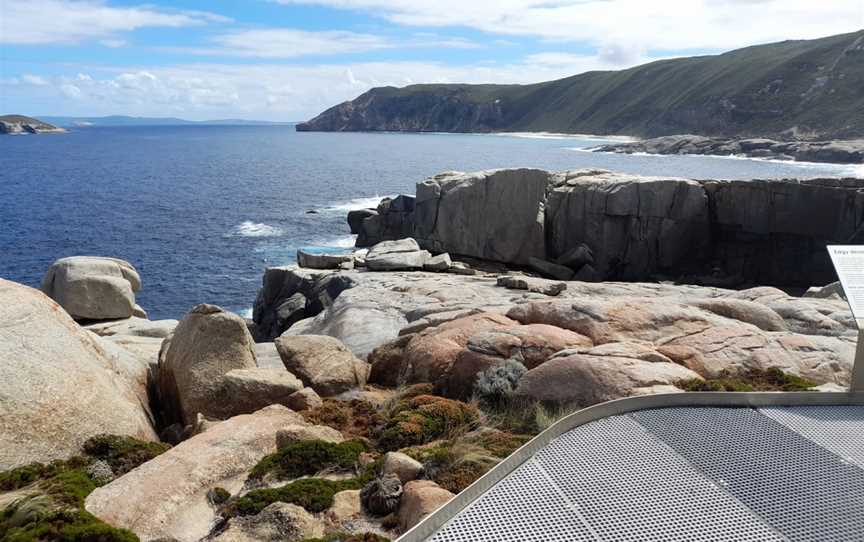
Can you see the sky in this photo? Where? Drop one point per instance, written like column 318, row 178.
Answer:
column 288, row 60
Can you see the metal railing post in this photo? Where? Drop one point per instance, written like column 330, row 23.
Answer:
column 857, row 381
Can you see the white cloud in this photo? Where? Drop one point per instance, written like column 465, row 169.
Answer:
column 293, row 43
column 266, row 91
column 669, row 25
column 34, row 80
column 37, row 22
column 113, row 44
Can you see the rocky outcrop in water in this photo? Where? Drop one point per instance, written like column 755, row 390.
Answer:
column 94, row 288
column 837, row 152
column 599, row 225
column 19, row 124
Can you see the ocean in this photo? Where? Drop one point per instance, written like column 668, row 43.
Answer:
column 201, row 211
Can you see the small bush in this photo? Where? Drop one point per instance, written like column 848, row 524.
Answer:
column 307, row 457
column 218, row 495
column 19, row 477
column 121, row 452
column 771, row 379
column 424, row 418
column 496, row 384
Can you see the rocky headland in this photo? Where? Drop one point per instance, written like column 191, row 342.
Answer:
column 836, row 152
column 19, row 124
column 372, row 386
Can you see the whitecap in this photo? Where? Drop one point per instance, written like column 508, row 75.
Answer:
column 256, row 229
column 366, row 202
column 246, row 313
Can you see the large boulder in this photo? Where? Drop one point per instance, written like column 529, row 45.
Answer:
column 396, row 255
column 493, row 215
column 249, row 390
column 600, row 374
column 322, row 363
column 207, row 344
column 419, row 499
column 93, row 288
column 167, row 496
column 60, row 384
column 393, row 219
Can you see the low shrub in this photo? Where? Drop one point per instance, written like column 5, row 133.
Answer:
column 122, row 453
column 497, row 384
column 424, row 418
column 771, row 379
column 60, row 526
column 307, row 457
column 313, row 494
column 356, row 417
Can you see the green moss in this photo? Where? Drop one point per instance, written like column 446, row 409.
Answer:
column 307, row 457
column 424, row 418
column 17, row 478
column 60, row 526
column 218, row 495
column 122, row 453
column 772, row 379
column 347, row 537
column 313, row 494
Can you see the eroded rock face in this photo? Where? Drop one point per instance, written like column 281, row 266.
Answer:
column 249, row 390
column 60, row 384
column 322, row 363
column 493, row 215
column 173, row 487
column 207, row 344
column 93, row 288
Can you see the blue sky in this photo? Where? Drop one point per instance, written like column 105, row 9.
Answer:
column 290, row 59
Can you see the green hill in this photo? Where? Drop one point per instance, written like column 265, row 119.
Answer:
column 804, row 88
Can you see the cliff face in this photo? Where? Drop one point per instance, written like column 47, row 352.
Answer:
column 611, row 226
column 804, row 89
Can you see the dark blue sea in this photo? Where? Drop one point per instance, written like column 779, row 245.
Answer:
column 202, row 210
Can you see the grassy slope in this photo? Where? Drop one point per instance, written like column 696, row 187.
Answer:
column 763, row 89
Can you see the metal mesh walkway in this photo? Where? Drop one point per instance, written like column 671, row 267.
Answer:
column 683, row 473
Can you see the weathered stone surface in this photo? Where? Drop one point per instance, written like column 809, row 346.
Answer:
column 357, row 216
column 346, row 507
column 173, row 487
column 207, row 344
column 403, row 466
column 278, row 522
column 59, row 384
column 289, row 294
column 493, row 215
column 550, row 269
column 322, row 363
column 441, row 262
column 294, row 433
column 322, row 261
column 419, row 499
column 531, row 284
column 304, row 399
column 267, row 356
column 91, row 287
column 393, row 219
column 250, row 390
column 595, row 376
column 396, row 255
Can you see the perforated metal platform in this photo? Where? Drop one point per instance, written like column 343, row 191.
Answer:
column 772, row 473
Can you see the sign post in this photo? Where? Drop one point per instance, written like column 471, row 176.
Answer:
column 848, row 261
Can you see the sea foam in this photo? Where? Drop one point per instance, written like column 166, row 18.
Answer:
column 256, row 229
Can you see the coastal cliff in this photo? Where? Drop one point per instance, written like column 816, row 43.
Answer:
column 793, row 89
column 19, row 124
column 601, row 225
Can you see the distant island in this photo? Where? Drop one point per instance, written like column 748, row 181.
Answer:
column 19, row 124
column 123, row 120
column 804, row 89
